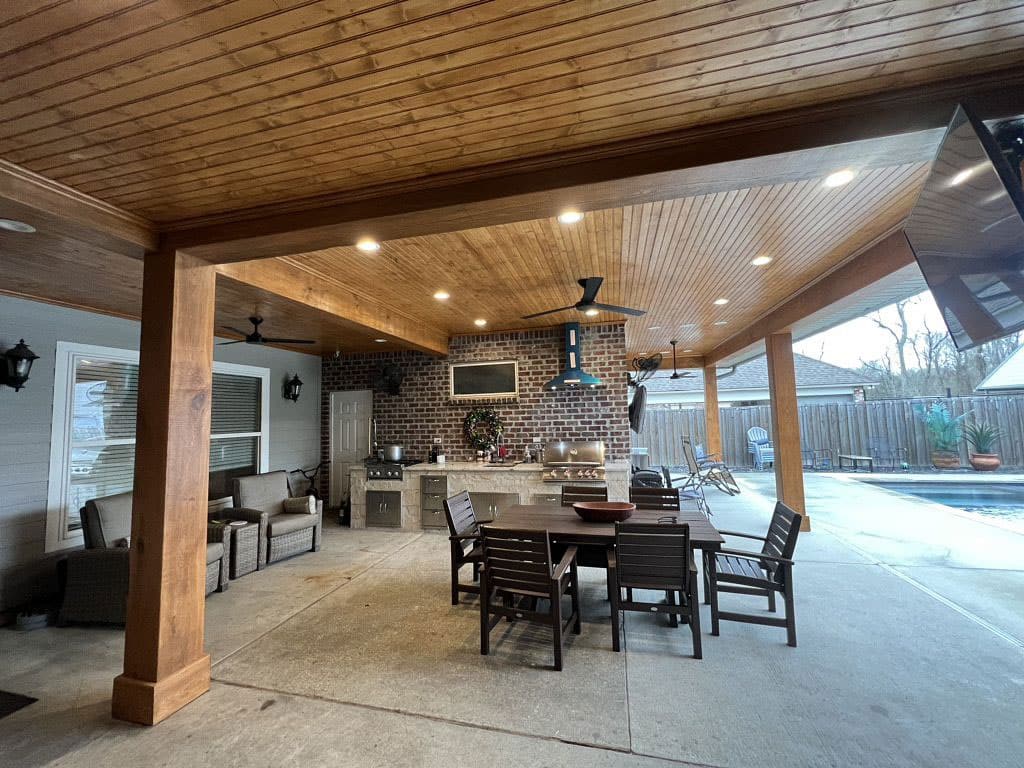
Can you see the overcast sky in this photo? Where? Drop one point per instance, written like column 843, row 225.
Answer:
column 861, row 340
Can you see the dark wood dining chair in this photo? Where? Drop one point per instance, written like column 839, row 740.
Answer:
column 517, row 567
column 655, row 556
column 666, row 499
column 464, row 536
column 573, row 493
column 758, row 573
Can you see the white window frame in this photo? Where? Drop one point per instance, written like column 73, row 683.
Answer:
column 58, row 537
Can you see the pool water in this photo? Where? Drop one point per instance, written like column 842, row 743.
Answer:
column 1001, row 500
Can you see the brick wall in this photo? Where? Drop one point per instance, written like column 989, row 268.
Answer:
column 422, row 410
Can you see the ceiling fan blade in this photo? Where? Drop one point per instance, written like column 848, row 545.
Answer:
column 225, row 343
column 548, row 312
column 268, row 340
column 590, row 285
column 620, row 310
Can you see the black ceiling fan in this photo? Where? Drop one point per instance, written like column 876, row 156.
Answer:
column 590, row 285
column 675, row 371
column 258, row 338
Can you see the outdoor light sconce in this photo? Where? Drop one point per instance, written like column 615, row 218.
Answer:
column 292, row 388
column 17, row 365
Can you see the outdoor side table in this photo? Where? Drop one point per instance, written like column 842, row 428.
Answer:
column 245, row 548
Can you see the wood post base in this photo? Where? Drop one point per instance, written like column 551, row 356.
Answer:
column 147, row 702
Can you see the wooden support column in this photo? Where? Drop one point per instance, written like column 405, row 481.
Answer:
column 712, row 425
column 165, row 666
column 789, row 471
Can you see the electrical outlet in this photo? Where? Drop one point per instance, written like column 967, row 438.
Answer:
column 437, row 441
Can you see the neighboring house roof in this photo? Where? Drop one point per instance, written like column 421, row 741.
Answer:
column 1008, row 376
column 753, row 374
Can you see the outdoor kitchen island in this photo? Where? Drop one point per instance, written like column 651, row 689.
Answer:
column 416, row 500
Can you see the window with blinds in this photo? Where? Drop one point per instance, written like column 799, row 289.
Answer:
column 94, row 438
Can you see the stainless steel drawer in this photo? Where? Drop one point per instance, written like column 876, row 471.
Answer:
column 434, row 484
column 432, row 501
column 433, row 518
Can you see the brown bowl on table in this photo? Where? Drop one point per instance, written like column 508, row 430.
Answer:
column 604, row 511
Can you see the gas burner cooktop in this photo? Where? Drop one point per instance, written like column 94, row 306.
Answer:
column 573, row 474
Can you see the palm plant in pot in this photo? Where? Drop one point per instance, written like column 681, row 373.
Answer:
column 982, row 438
column 945, row 432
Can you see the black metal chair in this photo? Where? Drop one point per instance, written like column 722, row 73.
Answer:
column 758, row 573
column 517, row 567
column 655, row 556
column 884, row 455
column 464, row 535
column 690, row 485
column 573, row 493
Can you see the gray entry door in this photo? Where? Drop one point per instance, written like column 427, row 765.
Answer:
column 351, row 412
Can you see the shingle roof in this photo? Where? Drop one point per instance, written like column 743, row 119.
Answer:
column 754, row 375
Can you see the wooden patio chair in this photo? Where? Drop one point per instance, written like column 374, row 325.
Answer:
column 665, row 499
column 758, row 573
column 760, row 447
column 517, row 567
column 655, row 556
column 573, row 493
column 464, row 536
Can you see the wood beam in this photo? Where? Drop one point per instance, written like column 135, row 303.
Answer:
column 789, row 472
column 334, row 298
column 870, row 265
column 165, row 666
column 712, row 424
column 881, row 129
column 50, row 206
column 688, row 362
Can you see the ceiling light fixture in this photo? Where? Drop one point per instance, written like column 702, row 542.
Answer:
column 366, row 245
column 12, row 225
column 442, row 295
column 591, row 312
column 570, row 217
column 721, row 302
column 760, row 261
column 480, row 322
column 720, row 322
column 839, row 178
column 687, row 350
column 654, row 328
column 380, row 341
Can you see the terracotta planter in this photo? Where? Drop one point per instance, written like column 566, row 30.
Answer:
column 985, row 462
column 945, row 460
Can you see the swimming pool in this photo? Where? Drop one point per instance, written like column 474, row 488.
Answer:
column 999, row 500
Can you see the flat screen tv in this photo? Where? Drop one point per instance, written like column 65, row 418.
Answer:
column 967, row 233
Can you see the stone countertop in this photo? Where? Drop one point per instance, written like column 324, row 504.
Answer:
column 473, row 466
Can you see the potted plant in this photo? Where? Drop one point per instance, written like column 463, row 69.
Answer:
column 982, row 438
column 945, row 433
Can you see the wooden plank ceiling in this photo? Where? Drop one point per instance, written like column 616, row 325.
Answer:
column 672, row 258
column 177, row 110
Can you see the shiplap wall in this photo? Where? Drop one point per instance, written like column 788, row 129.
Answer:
column 841, row 427
column 26, row 572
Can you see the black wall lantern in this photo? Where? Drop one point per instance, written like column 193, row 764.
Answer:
column 17, row 365
column 292, row 388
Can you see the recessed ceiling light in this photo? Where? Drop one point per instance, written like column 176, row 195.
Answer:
column 442, row 295
column 961, row 177
column 654, row 328
column 366, row 245
column 570, row 217
column 12, row 225
column 721, row 302
column 720, row 322
column 480, row 322
column 687, row 350
column 839, row 178
column 591, row 312
column 380, row 341
column 760, row 261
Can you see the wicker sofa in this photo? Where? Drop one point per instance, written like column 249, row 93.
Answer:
column 266, row 499
column 96, row 578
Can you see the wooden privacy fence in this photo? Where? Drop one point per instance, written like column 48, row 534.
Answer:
column 842, row 427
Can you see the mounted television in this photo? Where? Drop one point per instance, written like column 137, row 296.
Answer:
column 967, row 233
column 484, row 381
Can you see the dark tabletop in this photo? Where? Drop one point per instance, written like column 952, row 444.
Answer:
column 563, row 523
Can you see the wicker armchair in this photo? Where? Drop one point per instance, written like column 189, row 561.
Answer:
column 95, row 579
column 262, row 499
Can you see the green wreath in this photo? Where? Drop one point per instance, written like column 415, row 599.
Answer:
column 482, row 428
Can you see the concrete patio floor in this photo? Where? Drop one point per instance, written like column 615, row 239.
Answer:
column 909, row 622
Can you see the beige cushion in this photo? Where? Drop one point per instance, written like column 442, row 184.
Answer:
column 300, row 505
column 282, row 524
column 264, row 493
column 108, row 520
column 214, row 552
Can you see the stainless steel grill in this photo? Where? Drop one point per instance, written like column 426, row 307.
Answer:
column 574, row 461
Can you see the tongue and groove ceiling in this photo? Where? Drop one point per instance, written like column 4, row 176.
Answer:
column 191, row 112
